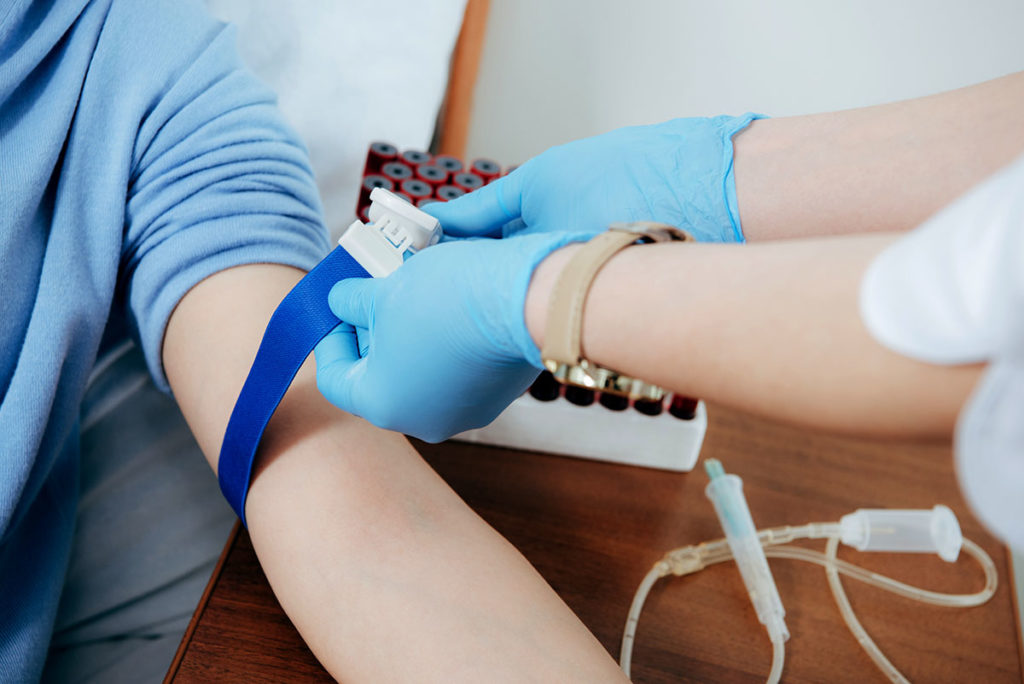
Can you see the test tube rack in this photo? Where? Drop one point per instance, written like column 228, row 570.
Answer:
column 420, row 177
column 550, row 417
column 573, row 421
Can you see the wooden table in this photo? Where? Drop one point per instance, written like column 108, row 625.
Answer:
column 594, row 529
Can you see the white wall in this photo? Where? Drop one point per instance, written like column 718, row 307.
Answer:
column 555, row 70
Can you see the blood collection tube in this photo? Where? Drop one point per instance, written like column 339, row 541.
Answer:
column 648, row 407
column 424, row 201
column 467, row 181
column 396, row 172
column 364, row 214
column 417, row 189
column 581, row 396
column 545, row 387
column 379, row 154
column 446, row 193
column 449, row 163
column 415, row 157
column 369, row 183
column 614, row 402
column 486, row 169
column 431, row 173
column 684, row 408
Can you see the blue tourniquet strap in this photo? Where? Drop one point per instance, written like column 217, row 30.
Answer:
column 300, row 321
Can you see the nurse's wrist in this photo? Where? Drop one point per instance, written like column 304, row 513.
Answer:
column 538, row 295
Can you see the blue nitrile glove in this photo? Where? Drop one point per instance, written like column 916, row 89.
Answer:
column 448, row 347
column 678, row 172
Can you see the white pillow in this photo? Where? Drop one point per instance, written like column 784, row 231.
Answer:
column 348, row 73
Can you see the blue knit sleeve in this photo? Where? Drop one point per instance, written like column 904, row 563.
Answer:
column 218, row 180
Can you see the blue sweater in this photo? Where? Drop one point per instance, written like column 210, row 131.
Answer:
column 137, row 157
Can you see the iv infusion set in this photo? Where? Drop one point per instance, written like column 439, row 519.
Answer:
column 909, row 531
column 396, row 230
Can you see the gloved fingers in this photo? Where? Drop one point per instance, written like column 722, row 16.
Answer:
column 337, row 355
column 513, row 227
column 483, row 212
column 364, row 338
column 351, row 300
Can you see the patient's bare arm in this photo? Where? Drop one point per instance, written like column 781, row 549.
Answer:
column 385, row 572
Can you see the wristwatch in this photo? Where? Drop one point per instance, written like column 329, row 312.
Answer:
column 561, row 353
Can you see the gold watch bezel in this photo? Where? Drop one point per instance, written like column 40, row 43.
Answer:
column 591, row 376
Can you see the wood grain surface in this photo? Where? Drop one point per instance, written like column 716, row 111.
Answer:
column 594, row 529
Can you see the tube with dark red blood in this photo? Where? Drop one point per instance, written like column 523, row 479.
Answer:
column 415, row 157
column 486, row 169
column 648, row 407
column 467, row 181
column 369, row 183
column 379, row 154
column 417, row 189
column 396, row 172
column 545, row 387
column 581, row 396
column 684, row 408
column 446, row 193
column 448, row 163
column 614, row 402
column 431, row 173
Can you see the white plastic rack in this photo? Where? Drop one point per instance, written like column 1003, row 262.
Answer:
column 670, row 440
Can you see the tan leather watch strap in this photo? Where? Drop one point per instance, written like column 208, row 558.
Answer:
column 561, row 352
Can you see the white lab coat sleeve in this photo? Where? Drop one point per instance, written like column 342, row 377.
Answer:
column 952, row 291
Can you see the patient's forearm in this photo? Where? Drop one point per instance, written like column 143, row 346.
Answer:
column 882, row 168
column 387, row 574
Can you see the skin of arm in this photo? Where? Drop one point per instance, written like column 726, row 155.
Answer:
column 776, row 328
column 881, row 168
column 385, row 572
column 771, row 328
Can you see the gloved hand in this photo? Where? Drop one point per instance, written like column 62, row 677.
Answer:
column 678, row 172
column 448, row 347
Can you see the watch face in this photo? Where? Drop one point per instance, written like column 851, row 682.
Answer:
column 587, row 375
